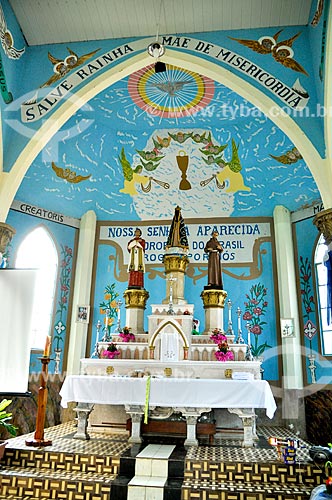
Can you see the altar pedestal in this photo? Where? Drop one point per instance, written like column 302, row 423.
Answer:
column 135, row 301
column 177, row 325
column 213, row 302
column 175, row 268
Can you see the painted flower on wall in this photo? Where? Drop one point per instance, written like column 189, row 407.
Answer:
column 306, row 291
column 109, row 306
column 255, row 309
column 64, row 285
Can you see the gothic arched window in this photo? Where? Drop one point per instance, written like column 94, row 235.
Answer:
column 324, row 315
column 38, row 251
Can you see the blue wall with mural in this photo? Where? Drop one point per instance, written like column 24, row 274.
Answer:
column 310, row 320
column 151, row 141
column 64, row 240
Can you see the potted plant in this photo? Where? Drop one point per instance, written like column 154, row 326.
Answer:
column 5, row 418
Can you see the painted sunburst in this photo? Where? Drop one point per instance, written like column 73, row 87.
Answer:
column 175, row 93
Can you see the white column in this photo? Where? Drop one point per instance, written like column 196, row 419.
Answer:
column 291, row 347
column 82, row 289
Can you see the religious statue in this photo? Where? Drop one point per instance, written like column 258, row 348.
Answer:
column 136, row 267
column 177, row 234
column 214, row 249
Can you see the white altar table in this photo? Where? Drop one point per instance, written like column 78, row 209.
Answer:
column 191, row 397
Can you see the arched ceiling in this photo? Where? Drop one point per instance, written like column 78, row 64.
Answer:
column 121, row 155
column 125, row 151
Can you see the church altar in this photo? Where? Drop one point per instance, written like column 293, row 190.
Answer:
column 189, row 396
column 178, row 369
column 185, row 376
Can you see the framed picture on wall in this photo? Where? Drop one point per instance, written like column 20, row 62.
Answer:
column 83, row 313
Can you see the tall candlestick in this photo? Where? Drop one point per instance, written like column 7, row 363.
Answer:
column 230, row 324
column 118, row 325
column 239, row 312
column 47, row 347
column 239, row 339
column 95, row 352
column 249, row 355
column 248, row 329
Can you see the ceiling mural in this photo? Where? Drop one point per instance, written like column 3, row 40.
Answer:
column 281, row 50
column 172, row 93
column 7, row 39
column 155, row 140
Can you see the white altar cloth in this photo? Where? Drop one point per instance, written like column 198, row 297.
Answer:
column 170, row 392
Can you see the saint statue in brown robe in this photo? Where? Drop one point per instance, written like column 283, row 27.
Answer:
column 214, row 249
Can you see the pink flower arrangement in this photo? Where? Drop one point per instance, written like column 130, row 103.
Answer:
column 223, row 353
column 111, row 352
column 126, row 335
column 217, row 336
column 224, row 356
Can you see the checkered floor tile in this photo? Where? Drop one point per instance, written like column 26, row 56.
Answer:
column 62, row 441
column 230, row 450
column 115, row 444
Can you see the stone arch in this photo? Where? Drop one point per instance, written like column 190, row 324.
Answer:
column 11, row 181
column 161, row 326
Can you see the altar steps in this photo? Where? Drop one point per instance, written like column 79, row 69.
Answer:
column 200, row 481
column 248, row 481
column 25, row 482
column 64, row 476
column 102, row 468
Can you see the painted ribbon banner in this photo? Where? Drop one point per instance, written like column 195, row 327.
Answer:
column 31, row 112
column 237, row 239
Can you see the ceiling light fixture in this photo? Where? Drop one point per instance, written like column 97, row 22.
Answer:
column 156, row 49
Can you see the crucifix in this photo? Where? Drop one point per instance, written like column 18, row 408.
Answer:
column 170, row 305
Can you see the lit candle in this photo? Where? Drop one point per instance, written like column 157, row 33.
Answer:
column 47, row 348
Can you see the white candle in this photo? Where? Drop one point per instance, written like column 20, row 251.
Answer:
column 248, row 327
column 97, row 331
column 239, row 319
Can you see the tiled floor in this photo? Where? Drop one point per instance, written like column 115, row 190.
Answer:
column 160, row 470
column 62, row 441
column 115, row 444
